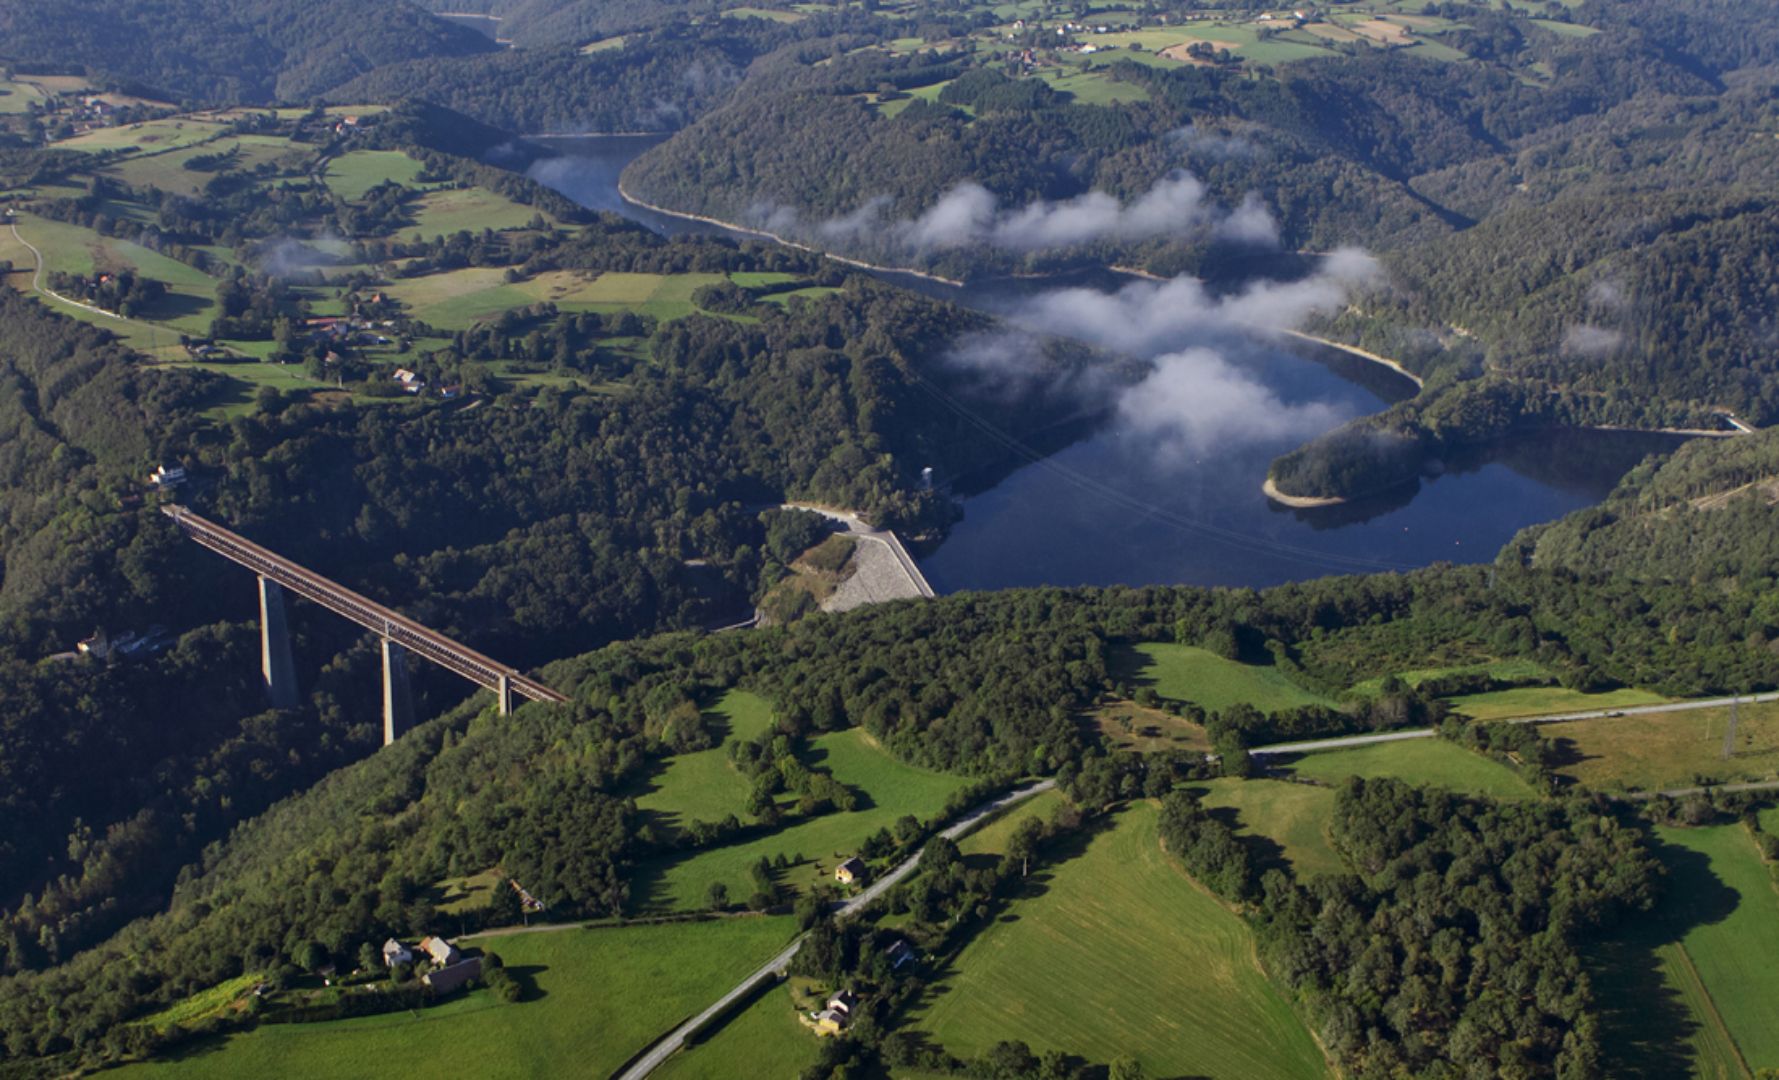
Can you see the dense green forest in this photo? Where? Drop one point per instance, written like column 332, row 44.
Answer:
column 213, row 52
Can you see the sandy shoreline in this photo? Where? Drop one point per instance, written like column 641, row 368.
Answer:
column 1298, row 502
column 1354, row 350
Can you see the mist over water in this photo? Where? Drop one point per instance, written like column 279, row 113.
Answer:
column 1167, row 491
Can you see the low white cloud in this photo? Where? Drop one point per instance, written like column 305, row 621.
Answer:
column 1591, row 341
column 1196, row 400
column 969, row 215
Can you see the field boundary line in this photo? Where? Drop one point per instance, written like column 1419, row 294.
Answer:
column 1711, row 1008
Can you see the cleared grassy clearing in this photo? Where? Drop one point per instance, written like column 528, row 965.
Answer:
column 205, row 1003
column 351, row 175
column 1122, row 954
column 1540, row 700
column 764, row 1040
column 1189, row 673
column 1093, row 87
column 600, row 996
column 1129, row 726
column 890, row 789
column 705, row 785
column 17, row 97
column 1293, row 816
column 1417, row 761
column 1666, row 750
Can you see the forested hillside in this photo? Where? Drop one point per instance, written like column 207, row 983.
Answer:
column 219, row 52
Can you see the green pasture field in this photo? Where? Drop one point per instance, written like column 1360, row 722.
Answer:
column 1668, row 750
column 1122, row 953
column 765, row 1039
column 352, row 174
column 1417, row 761
column 75, row 250
column 458, row 299
column 1694, row 985
column 17, row 96
column 891, row 789
column 1293, row 816
column 1191, row 674
column 1566, row 29
column 167, row 171
column 1541, row 700
column 772, row 14
column 596, row 997
column 603, row 44
column 453, row 210
column 148, row 137
column 706, row 785
column 1093, row 87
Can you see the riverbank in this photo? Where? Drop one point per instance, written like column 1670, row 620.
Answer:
column 763, row 234
column 1299, row 502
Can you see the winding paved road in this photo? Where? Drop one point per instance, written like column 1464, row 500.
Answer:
column 1347, row 741
column 675, row 1039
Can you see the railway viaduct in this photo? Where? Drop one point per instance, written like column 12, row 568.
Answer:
column 401, row 636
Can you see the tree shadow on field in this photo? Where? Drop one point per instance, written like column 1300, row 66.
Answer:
column 1645, row 1023
column 1268, row 854
column 526, row 976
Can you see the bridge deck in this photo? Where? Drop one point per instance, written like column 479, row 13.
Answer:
column 416, row 638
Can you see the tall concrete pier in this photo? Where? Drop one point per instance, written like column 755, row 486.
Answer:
column 398, row 698
column 276, row 667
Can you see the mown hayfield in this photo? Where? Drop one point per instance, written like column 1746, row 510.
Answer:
column 351, row 175
column 1418, row 761
column 1668, row 750
column 1129, row 726
column 705, row 785
column 764, row 1040
column 1191, row 674
column 18, row 97
column 1293, row 816
column 598, row 996
column 1121, row 953
column 1541, row 700
column 891, row 789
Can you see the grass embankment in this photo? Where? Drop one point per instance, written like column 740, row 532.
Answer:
column 705, row 785
column 1668, row 750
column 1693, row 987
column 596, row 998
column 1417, row 761
column 1121, row 953
column 889, row 790
column 1191, row 674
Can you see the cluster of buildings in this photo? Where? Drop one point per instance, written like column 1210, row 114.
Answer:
column 448, row 967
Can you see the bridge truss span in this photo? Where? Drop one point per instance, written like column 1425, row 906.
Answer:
column 392, row 626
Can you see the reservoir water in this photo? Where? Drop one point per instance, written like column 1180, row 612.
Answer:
column 1117, row 507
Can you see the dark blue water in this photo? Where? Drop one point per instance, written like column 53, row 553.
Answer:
column 1119, row 507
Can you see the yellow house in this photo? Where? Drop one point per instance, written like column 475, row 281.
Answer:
column 830, row 1022
column 850, row 871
